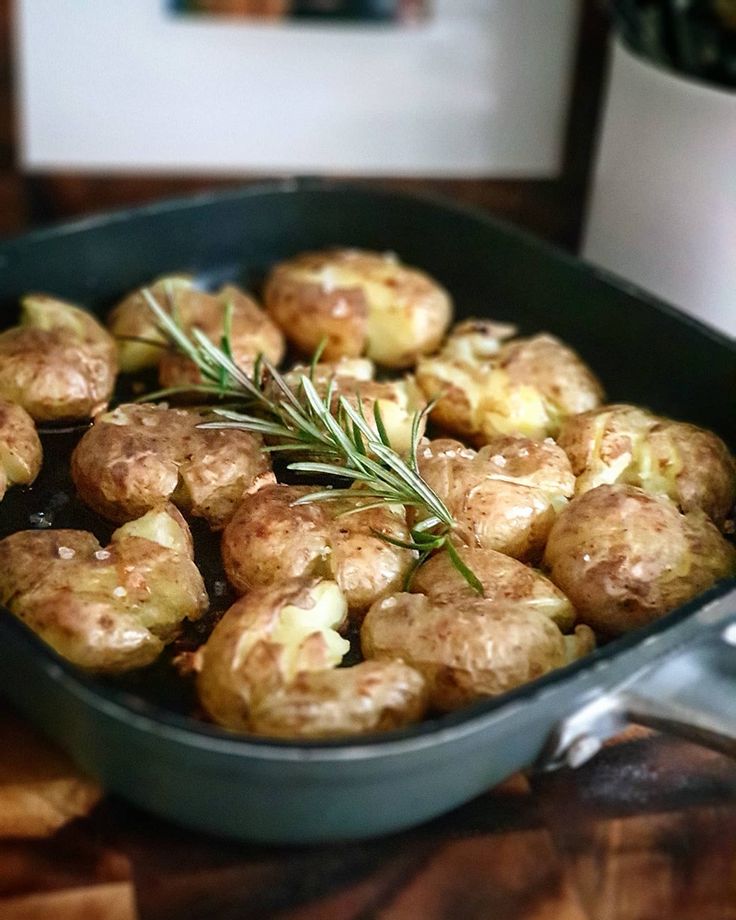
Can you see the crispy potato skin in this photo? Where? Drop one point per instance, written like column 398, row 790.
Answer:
column 139, row 341
column 20, row 447
column 471, row 650
column 104, row 610
column 269, row 540
column 622, row 443
column 251, row 332
column 504, row 497
column 363, row 303
column 488, row 388
column 625, row 558
column 59, row 363
column 507, row 583
column 141, row 454
column 245, row 685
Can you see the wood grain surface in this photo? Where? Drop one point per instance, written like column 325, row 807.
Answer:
column 645, row 831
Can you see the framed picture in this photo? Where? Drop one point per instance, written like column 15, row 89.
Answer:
column 351, row 10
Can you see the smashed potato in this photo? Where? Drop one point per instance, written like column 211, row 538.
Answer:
column 20, row 447
column 362, row 303
column 58, row 363
column 109, row 609
column 506, row 583
column 251, row 331
column 470, row 650
column 270, row 667
column 271, row 539
column 625, row 558
column 487, row 387
column 503, row 497
column 622, row 443
column 141, row 454
column 140, row 342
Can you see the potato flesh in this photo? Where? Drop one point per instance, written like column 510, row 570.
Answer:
column 293, row 625
column 626, row 444
column 108, row 609
column 486, row 387
column 625, row 558
column 20, row 447
column 269, row 668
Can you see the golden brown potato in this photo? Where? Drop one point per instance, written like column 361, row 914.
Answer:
column 59, row 363
column 470, row 649
column 362, row 303
column 503, row 497
column 252, row 332
column 139, row 455
column 627, row 444
column 139, row 341
column 507, row 583
column 269, row 667
column 625, row 558
column 20, row 447
column 104, row 609
column 488, row 388
column 398, row 400
column 270, row 539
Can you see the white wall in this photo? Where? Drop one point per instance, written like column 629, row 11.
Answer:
column 122, row 84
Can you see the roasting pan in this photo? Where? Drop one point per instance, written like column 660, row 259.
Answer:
column 137, row 735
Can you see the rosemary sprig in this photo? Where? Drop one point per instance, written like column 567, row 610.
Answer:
column 334, row 432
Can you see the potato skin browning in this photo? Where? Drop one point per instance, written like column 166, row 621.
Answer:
column 468, row 651
column 488, row 388
column 59, row 363
column 622, row 443
column 20, row 447
column 363, row 303
column 139, row 341
column 244, row 685
column 507, row 583
column 269, row 540
column 139, row 455
column 625, row 558
column 104, row 610
column 503, row 497
column 251, row 332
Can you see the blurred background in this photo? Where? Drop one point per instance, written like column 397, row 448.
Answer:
column 109, row 104
column 605, row 126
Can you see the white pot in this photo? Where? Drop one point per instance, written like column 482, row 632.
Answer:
column 663, row 206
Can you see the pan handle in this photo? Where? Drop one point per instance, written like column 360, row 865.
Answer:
column 690, row 692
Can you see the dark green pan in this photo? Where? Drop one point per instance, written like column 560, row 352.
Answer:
column 680, row 673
